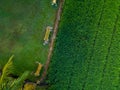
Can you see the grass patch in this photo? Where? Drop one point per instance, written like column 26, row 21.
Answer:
column 22, row 29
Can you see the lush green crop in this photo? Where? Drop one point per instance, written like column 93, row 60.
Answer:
column 86, row 54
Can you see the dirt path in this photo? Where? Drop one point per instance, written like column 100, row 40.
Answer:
column 57, row 20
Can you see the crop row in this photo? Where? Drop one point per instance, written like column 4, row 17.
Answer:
column 102, row 49
column 83, row 58
column 72, row 45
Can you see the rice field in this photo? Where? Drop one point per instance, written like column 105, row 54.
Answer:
column 87, row 49
column 86, row 53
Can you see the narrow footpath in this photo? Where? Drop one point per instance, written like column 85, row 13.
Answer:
column 55, row 30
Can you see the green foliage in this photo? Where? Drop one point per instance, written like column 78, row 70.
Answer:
column 86, row 54
column 18, row 83
column 8, row 83
column 6, row 70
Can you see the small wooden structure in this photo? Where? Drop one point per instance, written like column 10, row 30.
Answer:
column 37, row 73
column 54, row 2
column 47, row 34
